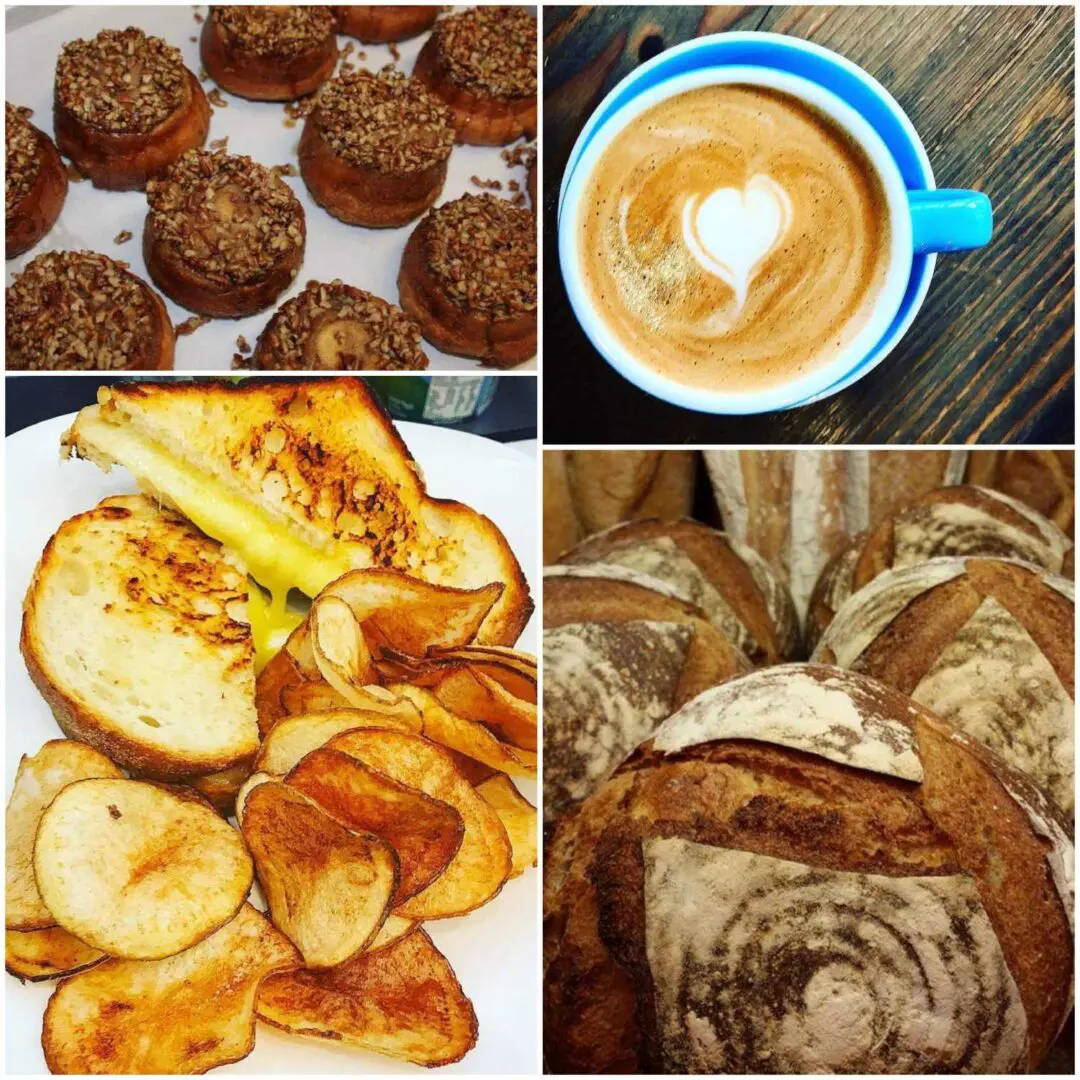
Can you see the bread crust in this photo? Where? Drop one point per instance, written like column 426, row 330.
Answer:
column 500, row 343
column 260, row 78
column 359, row 196
column 126, row 162
column 481, row 120
column 375, row 25
column 36, row 212
column 964, row 817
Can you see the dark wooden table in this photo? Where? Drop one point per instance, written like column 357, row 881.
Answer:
column 990, row 357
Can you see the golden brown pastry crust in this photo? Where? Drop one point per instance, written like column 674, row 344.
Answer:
column 376, row 25
column 264, row 77
column 35, row 212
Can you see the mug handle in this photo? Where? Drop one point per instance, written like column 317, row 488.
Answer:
column 949, row 219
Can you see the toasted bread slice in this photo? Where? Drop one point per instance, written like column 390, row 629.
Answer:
column 134, row 630
column 329, row 889
column 185, row 1014
column 47, row 954
column 38, row 781
column 137, row 869
column 403, row 1000
column 304, row 481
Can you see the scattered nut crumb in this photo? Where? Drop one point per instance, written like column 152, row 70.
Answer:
column 215, row 99
column 193, row 38
column 361, row 55
column 395, row 52
column 347, row 69
column 198, row 17
column 513, row 185
column 289, row 122
column 284, row 170
column 190, row 325
column 219, row 144
column 242, row 363
column 123, row 236
column 349, row 47
column 387, row 67
column 204, row 75
column 519, row 199
column 486, row 185
column 242, row 344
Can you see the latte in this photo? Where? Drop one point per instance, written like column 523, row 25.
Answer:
column 733, row 238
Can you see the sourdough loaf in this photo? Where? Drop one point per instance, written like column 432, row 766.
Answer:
column 586, row 491
column 1043, row 479
column 806, row 872
column 730, row 583
column 799, row 507
column 986, row 644
column 952, row 521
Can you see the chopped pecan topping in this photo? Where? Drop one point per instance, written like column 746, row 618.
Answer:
column 490, row 50
column 121, row 80
column 78, row 311
column 274, row 31
column 123, row 236
column 337, row 327
column 21, row 156
column 190, row 325
column 225, row 216
column 483, row 251
column 385, row 122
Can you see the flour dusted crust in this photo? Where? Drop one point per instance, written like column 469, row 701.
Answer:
column 984, row 643
column 659, row 877
column 913, row 978
column 729, row 582
column 606, row 686
column 817, row 710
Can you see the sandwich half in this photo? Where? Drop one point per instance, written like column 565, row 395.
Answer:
column 303, row 481
column 135, row 631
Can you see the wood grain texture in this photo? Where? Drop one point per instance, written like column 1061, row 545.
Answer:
column 990, row 357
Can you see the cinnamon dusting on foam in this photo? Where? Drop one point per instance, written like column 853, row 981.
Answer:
column 733, row 238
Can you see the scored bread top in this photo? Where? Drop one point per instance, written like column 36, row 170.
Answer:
column 821, row 864
column 135, row 632
column 323, row 459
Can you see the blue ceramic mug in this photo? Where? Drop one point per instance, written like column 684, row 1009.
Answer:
column 924, row 220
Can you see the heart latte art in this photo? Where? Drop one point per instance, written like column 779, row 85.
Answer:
column 733, row 238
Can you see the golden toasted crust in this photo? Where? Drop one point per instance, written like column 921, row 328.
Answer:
column 964, row 817
column 155, row 543
column 126, row 162
column 36, row 212
column 350, row 477
column 264, row 78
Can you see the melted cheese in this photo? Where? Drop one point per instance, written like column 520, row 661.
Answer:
column 273, row 556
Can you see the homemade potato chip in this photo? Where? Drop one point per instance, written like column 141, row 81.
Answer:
column 425, row 833
column 467, row 737
column 138, row 870
column 476, row 696
column 328, row 888
column 403, row 1000
column 187, row 1013
column 38, row 780
column 392, row 930
column 341, row 653
column 518, row 816
column 47, row 954
column 479, row 869
column 252, row 782
column 296, row 736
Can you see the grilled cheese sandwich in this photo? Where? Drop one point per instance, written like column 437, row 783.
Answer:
column 303, row 482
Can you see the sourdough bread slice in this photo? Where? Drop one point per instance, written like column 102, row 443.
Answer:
column 134, row 630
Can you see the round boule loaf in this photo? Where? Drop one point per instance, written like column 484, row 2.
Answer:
column 987, row 644
column 734, row 587
column 950, row 521
column 806, row 872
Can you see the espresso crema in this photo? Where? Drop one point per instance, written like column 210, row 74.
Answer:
column 733, row 238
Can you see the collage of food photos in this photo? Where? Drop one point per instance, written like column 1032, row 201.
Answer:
column 539, row 540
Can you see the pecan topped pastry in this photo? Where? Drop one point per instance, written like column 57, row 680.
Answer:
column 81, row 311
column 125, row 107
column 375, row 149
column 35, row 182
column 482, row 63
column 224, row 235
column 382, row 23
column 468, row 277
column 336, row 327
column 269, row 53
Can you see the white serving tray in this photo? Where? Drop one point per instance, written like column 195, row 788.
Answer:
column 91, row 219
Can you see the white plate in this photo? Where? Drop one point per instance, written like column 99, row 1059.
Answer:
column 494, row 951
column 367, row 258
